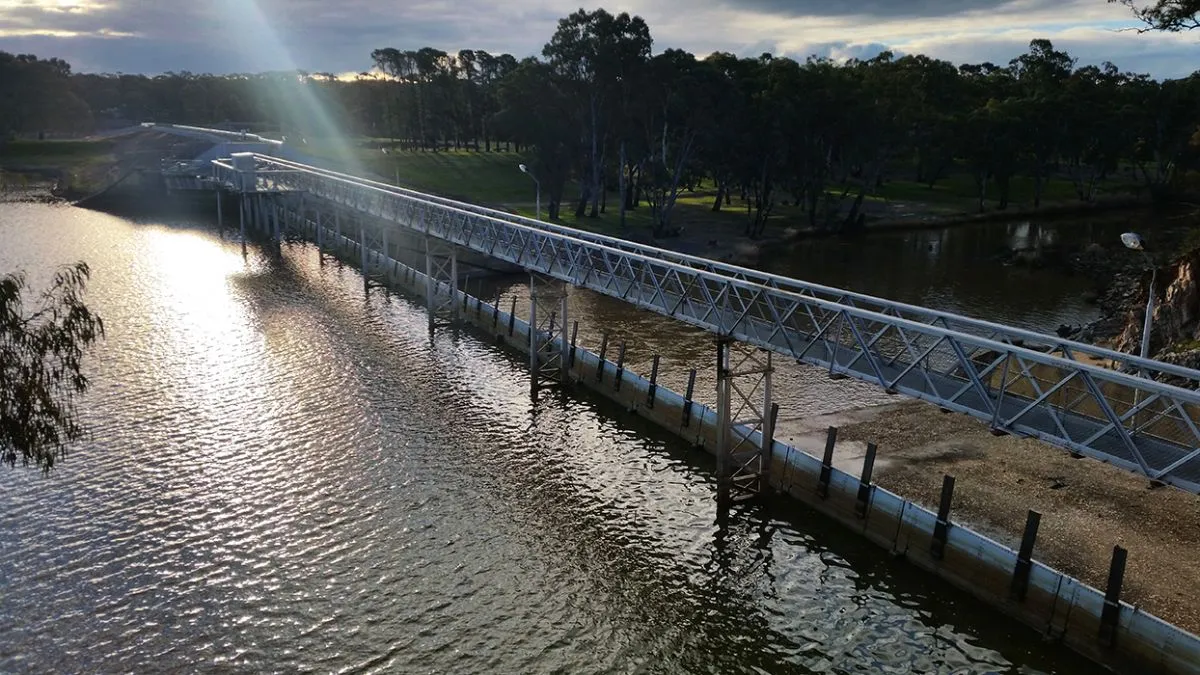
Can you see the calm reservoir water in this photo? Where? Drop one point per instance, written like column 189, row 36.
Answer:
column 288, row 475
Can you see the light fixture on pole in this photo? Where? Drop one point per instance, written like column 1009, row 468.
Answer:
column 1133, row 242
column 538, row 185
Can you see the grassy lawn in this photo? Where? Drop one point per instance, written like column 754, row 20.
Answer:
column 54, row 153
column 493, row 179
column 85, row 163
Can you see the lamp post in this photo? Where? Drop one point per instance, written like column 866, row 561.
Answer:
column 538, row 209
column 1133, row 241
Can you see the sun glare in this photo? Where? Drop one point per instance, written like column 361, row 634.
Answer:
column 259, row 40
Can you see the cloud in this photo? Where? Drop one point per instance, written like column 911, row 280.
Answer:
column 880, row 9
column 322, row 35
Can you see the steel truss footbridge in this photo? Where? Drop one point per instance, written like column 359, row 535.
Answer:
column 1088, row 400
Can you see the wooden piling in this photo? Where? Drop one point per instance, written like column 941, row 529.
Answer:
column 937, row 546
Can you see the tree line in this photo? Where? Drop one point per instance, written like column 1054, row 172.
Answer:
column 600, row 111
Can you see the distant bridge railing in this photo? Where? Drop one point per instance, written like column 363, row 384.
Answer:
column 966, row 365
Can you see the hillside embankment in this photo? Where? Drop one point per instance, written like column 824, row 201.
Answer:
column 76, row 169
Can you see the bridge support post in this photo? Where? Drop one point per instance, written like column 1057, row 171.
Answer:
column 441, row 282
column 384, row 264
column 220, row 212
column 242, row 218
column 362, row 253
column 549, row 346
column 247, row 189
column 300, row 217
column 744, row 407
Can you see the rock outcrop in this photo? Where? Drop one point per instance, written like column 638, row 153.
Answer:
column 1175, row 328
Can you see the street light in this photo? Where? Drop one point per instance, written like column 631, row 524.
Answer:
column 1133, row 242
column 538, row 209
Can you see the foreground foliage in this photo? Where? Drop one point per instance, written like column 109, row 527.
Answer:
column 41, row 366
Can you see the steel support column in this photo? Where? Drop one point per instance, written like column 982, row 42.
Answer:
column 549, row 347
column 383, row 247
column 242, row 217
column 300, row 217
column 441, row 282
column 373, row 238
column 362, row 253
column 743, row 408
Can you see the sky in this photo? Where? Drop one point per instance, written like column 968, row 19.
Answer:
column 222, row 36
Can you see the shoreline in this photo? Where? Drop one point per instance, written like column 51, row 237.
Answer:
column 732, row 246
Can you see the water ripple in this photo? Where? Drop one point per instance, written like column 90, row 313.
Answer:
column 286, row 476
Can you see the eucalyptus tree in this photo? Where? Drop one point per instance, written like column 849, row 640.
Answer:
column 1166, row 15
column 598, row 55
column 537, row 110
column 1041, row 74
column 36, row 95
column 42, row 350
column 680, row 95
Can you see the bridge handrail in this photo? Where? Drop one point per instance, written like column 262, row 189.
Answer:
column 1065, row 346
column 1032, row 355
column 218, row 133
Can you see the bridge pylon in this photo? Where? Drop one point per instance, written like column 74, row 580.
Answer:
column 441, row 282
column 549, row 346
column 744, row 407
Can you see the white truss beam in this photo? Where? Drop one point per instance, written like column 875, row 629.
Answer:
column 1018, row 381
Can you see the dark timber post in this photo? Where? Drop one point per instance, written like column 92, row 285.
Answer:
column 1020, row 580
column 242, row 220
column 941, row 528
column 653, row 390
column 574, row 336
column 603, row 352
column 768, row 435
column 687, row 399
column 827, row 463
column 620, row 366
column 864, row 483
column 362, row 252
column 1110, row 616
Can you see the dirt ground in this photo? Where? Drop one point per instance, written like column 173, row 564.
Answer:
column 1087, row 506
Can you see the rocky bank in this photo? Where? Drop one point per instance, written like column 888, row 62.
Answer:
column 1175, row 326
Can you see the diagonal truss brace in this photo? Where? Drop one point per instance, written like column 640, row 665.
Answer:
column 743, row 408
column 441, row 282
column 548, row 343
